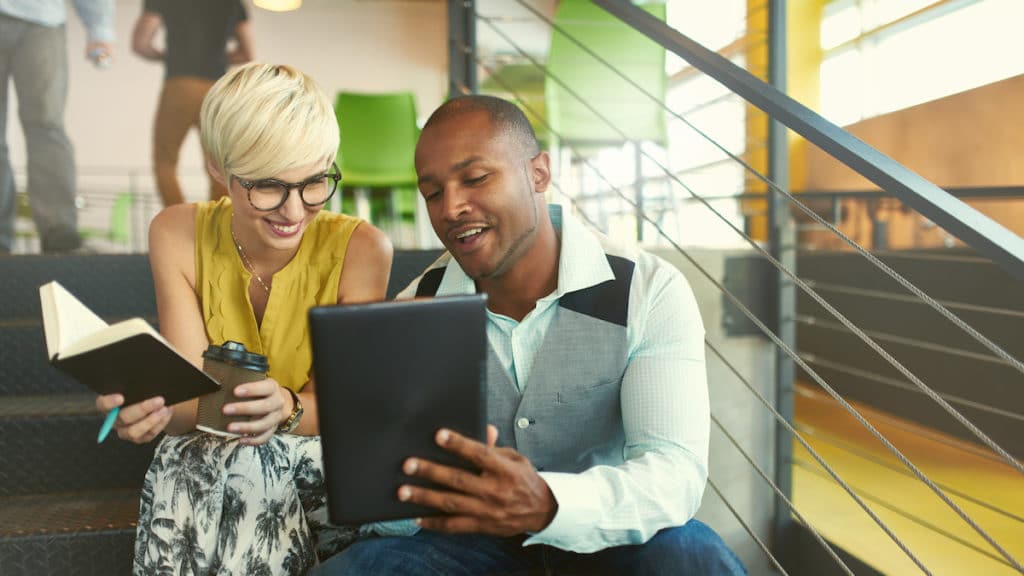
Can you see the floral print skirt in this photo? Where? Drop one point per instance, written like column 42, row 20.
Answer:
column 211, row 506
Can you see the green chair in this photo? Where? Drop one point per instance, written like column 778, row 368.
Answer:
column 523, row 84
column 630, row 52
column 633, row 115
column 378, row 142
column 378, row 139
column 119, row 229
column 121, row 219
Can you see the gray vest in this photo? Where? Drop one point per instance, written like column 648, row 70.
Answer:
column 569, row 418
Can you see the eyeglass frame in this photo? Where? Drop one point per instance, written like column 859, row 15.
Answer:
column 289, row 186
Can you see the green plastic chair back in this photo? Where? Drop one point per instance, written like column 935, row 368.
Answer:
column 121, row 218
column 378, row 139
column 630, row 52
column 120, row 228
column 524, row 85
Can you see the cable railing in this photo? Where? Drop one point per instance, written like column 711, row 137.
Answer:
column 743, row 453
column 888, row 381
column 811, row 432
column 822, row 126
column 789, row 273
column 753, row 318
column 1001, row 355
column 114, row 204
column 994, row 241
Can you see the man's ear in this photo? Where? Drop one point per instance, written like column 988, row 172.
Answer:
column 540, row 171
column 215, row 172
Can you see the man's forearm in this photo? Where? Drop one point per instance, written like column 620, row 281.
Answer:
column 622, row 505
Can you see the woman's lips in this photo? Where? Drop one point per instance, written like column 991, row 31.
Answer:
column 284, row 230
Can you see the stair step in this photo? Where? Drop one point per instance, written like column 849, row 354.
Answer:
column 121, row 285
column 68, row 533
column 50, row 446
column 25, row 368
column 68, row 512
column 111, row 285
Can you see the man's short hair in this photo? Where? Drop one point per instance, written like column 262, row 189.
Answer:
column 262, row 119
column 504, row 115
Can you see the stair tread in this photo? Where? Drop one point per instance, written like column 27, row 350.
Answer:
column 49, row 445
column 69, row 512
column 49, row 405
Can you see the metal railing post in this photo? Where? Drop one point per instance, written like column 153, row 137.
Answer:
column 782, row 245
column 461, row 48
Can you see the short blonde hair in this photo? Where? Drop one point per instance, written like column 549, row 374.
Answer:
column 262, row 119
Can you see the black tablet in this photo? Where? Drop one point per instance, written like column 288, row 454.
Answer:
column 388, row 376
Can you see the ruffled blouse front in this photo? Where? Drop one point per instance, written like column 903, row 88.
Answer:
column 309, row 279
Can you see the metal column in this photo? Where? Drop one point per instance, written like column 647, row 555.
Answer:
column 638, row 166
column 782, row 245
column 461, row 48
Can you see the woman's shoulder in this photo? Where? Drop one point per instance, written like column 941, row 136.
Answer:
column 172, row 241
column 333, row 232
column 333, row 222
column 370, row 240
column 175, row 224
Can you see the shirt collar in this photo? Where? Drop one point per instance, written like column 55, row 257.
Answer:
column 581, row 263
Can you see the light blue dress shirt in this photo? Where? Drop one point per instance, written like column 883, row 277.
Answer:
column 97, row 15
column 664, row 398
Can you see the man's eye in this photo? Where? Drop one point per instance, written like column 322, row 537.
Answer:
column 431, row 195
column 477, row 181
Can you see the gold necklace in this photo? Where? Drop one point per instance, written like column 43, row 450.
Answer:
column 248, row 263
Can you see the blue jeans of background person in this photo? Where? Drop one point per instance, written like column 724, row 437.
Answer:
column 690, row 549
column 35, row 57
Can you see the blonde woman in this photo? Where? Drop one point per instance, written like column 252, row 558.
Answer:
column 247, row 268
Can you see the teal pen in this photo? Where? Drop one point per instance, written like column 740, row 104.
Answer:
column 108, row 423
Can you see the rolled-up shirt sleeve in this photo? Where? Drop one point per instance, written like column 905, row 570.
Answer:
column 666, row 419
column 98, row 18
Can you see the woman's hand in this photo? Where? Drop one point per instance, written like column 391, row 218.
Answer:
column 264, row 401
column 138, row 423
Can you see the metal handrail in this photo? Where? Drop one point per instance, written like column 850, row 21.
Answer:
column 974, row 228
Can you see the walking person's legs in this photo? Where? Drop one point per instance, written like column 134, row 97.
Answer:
column 178, row 111
column 39, row 68
column 10, row 35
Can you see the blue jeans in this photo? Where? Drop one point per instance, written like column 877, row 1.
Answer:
column 690, row 549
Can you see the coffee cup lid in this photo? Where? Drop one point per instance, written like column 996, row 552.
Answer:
column 234, row 353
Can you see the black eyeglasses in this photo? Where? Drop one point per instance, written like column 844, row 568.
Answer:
column 270, row 194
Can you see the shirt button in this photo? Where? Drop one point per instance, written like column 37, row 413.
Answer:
column 523, row 423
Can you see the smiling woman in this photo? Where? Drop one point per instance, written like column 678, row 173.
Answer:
column 241, row 268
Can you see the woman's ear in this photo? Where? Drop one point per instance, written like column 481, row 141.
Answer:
column 216, row 173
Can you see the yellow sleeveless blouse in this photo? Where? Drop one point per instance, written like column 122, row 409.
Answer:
column 309, row 279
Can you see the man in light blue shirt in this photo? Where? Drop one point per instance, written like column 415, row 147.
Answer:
column 596, row 457
column 33, row 54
